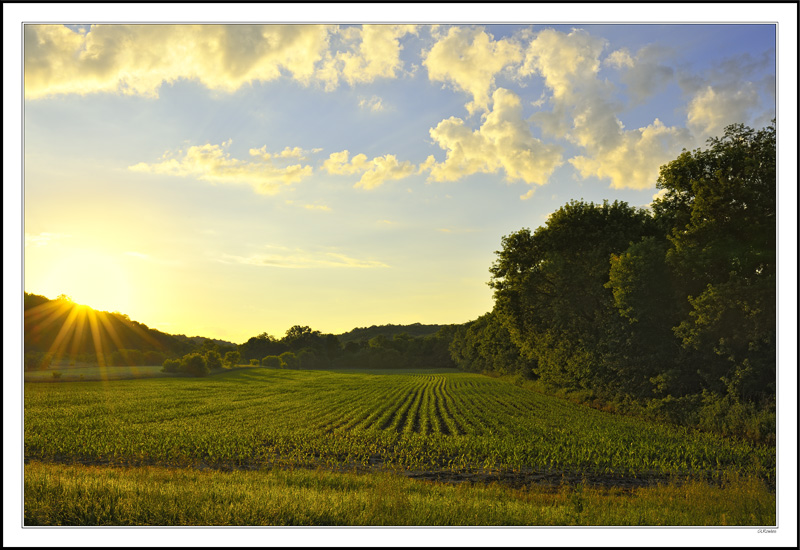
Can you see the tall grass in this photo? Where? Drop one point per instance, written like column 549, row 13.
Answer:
column 57, row 494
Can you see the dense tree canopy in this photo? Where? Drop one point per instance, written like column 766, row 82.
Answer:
column 672, row 307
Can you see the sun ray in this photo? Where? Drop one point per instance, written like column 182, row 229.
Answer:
column 77, row 339
column 110, row 330
column 67, row 328
column 97, row 340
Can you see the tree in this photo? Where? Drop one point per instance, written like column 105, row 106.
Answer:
column 551, row 296
column 232, row 358
column 271, row 361
column 213, row 359
column 722, row 201
column 194, row 364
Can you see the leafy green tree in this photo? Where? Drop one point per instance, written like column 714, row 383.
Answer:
column 171, row 365
column 232, row 358
column 288, row 360
column 213, row 359
column 194, row 364
column 271, row 361
column 722, row 201
column 551, row 296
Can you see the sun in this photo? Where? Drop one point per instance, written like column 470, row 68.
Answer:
column 92, row 278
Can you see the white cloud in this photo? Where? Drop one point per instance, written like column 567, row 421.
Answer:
column 713, row 109
column 644, row 74
column 469, row 58
column 138, row 59
column 301, row 259
column 42, row 239
column 585, row 113
column 212, row 163
column 371, row 52
column 374, row 172
column 504, row 141
column 635, row 161
column 374, row 104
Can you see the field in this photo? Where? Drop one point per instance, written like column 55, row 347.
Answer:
column 458, row 429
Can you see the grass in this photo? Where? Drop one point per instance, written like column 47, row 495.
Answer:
column 57, row 494
column 167, row 451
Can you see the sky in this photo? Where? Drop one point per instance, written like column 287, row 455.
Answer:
column 229, row 180
column 196, row 179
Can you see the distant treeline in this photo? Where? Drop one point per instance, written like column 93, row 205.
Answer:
column 392, row 346
column 668, row 312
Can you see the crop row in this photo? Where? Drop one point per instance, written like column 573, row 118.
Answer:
column 410, row 421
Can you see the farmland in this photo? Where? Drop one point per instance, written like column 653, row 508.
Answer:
column 431, row 425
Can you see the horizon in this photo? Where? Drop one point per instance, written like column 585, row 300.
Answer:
column 365, row 178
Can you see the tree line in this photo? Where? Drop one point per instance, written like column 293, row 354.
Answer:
column 668, row 311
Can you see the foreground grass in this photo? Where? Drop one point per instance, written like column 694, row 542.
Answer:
column 58, row 494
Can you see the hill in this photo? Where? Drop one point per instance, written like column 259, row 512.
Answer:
column 389, row 331
column 65, row 329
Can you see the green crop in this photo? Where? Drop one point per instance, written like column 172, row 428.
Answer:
column 423, row 422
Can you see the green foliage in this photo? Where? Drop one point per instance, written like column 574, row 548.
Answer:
column 288, row 360
column 271, row 361
column 171, row 365
column 444, row 421
column 641, row 310
column 232, row 358
column 73, row 494
column 194, row 364
column 213, row 359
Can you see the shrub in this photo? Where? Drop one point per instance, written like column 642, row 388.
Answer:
column 254, row 362
column 171, row 365
column 288, row 360
column 56, row 374
column 213, row 359
column 271, row 361
column 194, row 364
column 232, row 358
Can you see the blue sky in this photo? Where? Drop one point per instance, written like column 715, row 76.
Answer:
column 228, row 180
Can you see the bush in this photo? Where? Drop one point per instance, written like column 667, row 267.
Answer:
column 56, row 374
column 194, row 364
column 254, row 362
column 288, row 360
column 171, row 365
column 213, row 359
column 232, row 358
column 271, row 361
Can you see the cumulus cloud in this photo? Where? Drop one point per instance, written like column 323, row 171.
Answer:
column 634, row 162
column 585, row 113
column 504, row 141
column 137, row 59
column 212, row 163
column 469, row 59
column 713, row 109
column 370, row 52
column 374, row 172
column 302, row 259
column 644, row 74
column 728, row 94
